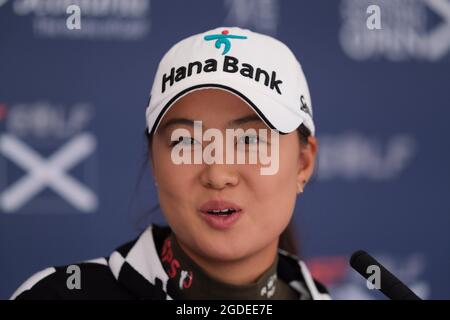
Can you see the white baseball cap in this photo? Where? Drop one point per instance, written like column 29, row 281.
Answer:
column 258, row 68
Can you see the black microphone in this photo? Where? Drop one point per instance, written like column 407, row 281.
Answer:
column 392, row 287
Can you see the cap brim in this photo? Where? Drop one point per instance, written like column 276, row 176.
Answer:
column 272, row 113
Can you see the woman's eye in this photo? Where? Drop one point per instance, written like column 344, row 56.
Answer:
column 249, row 139
column 184, row 141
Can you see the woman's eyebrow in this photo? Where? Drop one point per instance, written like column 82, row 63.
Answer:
column 246, row 119
column 174, row 121
column 190, row 122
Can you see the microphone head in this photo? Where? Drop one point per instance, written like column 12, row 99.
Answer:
column 360, row 260
column 392, row 287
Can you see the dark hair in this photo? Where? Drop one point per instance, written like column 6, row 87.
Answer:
column 287, row 240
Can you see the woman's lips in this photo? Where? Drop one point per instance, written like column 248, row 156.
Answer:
column 218, row 205
column 220, row 214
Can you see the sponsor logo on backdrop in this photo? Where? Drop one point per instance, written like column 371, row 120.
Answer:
column 47, row 158
column 101, row 19
column 353, row 156
column 259, row 15
column 411, row 29
column 346, row 284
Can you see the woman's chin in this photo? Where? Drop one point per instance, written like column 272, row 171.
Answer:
column 224, row 254
column 231, row 249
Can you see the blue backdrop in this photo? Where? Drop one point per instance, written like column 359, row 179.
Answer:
column 72, row 101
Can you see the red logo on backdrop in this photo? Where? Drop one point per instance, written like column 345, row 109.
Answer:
column 328, row 270
column 3, row 111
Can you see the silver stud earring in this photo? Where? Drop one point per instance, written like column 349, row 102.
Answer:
column 300, row 187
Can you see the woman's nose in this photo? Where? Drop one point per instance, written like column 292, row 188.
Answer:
column 219, row 176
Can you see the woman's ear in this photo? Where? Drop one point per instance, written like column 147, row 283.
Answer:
column 307, row 159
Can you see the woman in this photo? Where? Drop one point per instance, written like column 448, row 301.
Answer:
column 231, row 142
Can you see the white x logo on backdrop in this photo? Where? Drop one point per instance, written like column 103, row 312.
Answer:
column 51, row 172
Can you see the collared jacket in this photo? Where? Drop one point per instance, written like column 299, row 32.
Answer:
column 134, row 271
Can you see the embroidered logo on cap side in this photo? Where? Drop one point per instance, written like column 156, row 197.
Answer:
column 304, row 106
column 223, row 39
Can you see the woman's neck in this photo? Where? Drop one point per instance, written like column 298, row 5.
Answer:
column 236, row 272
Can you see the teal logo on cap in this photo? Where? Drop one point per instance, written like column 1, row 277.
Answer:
column 223, row 39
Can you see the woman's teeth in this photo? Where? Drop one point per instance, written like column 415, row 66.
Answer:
column 222, row 212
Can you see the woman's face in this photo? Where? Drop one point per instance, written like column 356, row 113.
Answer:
column 266, row 202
